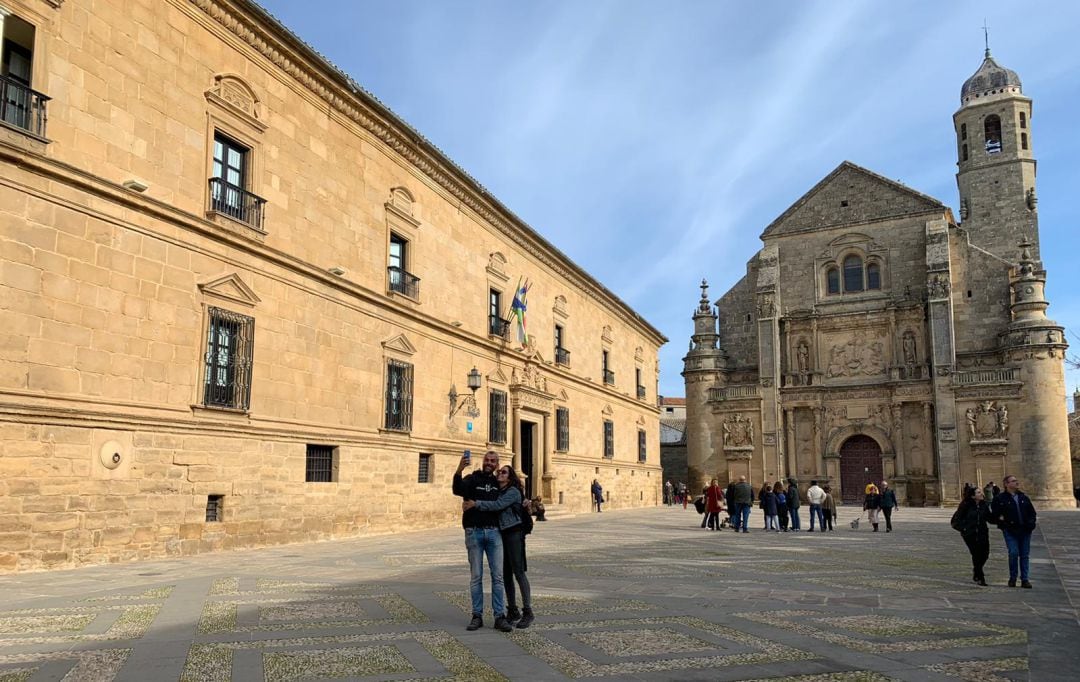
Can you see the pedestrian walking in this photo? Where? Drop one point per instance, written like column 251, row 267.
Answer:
column 732, row 508
column 781, row 505
column 669, row 493
column 888, row 504
column 793, row 504
column 872, row 504
column 482, row 538
column 744, row 498
column 768, row 505
column 1015, row 516
column 970, row 519
column 828, row 508
column 714, row 504
column 512, row 528
column 597, row 494
column 815, row 495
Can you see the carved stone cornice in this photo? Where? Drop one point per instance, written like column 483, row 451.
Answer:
column 348, row 98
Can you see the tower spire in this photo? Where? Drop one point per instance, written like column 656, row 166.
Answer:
column 986, row 38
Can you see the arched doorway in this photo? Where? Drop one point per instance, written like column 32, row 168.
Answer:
column 860, row 463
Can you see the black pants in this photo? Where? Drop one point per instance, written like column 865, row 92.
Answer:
column 783, row 518
column 827, row 516
column 514, row 567
column 887, row 511
column 712, row 519
column 980, row 551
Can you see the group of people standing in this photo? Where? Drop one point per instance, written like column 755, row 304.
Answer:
column 880, row 502
column 496, row 518
column 780, row 505
column 675, row 493
column 1012, row 512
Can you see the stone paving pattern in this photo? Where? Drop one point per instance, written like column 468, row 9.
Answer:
column 625, row 595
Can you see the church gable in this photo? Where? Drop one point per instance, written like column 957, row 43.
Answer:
column 851, row 195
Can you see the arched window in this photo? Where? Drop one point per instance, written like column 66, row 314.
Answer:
column 832, row 281
column 963, row 130
column 1023, row 140
column 873, row 276
column 1023, row 120
column 992, row 132
column 853, row 274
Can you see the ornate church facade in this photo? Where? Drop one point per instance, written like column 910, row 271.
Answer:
column 876, row 337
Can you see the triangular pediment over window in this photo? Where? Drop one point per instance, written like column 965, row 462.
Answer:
column 607, row 411
column 399, row 344
column 851, row 195
column 231, row 288
column 496, row 377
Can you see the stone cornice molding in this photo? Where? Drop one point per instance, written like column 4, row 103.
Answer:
column 344, row 95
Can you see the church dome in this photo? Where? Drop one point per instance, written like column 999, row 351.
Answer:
column 990, row 79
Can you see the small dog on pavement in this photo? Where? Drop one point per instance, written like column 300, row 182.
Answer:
column 855, row 524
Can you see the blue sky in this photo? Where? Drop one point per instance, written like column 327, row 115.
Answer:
column 643, row 138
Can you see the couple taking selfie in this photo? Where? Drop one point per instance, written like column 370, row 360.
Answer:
column 496, row 518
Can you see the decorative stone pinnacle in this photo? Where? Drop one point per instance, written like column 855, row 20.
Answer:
column 703, row 304
column 1027, row 265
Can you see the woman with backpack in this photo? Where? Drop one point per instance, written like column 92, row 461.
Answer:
column 514, row 524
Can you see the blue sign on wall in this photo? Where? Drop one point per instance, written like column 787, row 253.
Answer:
column 468, row 427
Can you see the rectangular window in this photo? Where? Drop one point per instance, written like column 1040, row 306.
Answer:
column 229, row 347
column 214, row 504
column 562, row 356
column 399, row 396
column 497, row 417
column 321, row 464
column 497, row 326
column 641, row 445
column 609, row 438
column 640, row 386
column 424, row 473
column 399, row 279
column 609, row 376
column 562, row 429
column 20, row 106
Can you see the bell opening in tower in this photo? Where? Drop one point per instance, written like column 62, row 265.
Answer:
column 992, row 129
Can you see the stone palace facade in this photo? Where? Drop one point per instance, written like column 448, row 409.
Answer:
column 242, row 303
column 874, row 337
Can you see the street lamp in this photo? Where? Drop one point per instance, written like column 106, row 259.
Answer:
column 467, row 401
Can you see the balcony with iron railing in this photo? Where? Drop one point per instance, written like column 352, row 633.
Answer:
column 236, row 203
column 403, row 282
column 22, row 107
column 641, row 392
column 499, row 327
column 562, row 357
column 609, row 377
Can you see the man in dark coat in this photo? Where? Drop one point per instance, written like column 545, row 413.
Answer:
column 1015, row 516
column 793, row 504
column 743, row 496
column 888, row 504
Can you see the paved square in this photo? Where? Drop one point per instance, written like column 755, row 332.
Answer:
column 624, row 595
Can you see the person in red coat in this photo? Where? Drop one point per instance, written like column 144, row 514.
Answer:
column 714, row 504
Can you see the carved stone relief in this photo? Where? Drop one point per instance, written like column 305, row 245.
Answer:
column 766, row 307
column 857, row 357
column 738, row 431
column 988, row 421
column 938, row 286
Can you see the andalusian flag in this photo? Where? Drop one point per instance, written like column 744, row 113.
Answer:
column 518, row 308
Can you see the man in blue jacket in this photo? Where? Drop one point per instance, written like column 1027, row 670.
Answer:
column 1015, row 516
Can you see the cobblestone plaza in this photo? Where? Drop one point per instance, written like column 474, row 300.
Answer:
column 623, row 595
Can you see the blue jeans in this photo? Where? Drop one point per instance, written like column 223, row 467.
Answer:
column 1019, row 544
column 744, row 517
column 815, row 512
column 795, row 519
column 480, row 542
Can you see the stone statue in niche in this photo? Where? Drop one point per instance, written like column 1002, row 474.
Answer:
column 803, row 357
column 766, row 307
column 909, row 349
column 988, row 421
column 738, row 431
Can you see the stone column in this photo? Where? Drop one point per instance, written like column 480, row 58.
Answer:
column 546, row 472
column 516, row 446
column 789, row 445
column 943, row 357
column 819, row 439
column 898, row 438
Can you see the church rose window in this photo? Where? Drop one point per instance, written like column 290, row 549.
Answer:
column 873, row 276
column 853, row 274
column 832, row 279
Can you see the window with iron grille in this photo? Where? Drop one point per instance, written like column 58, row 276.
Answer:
column 562, row 429
column 641, row 445
column 214, row 504
column 423, row 475
column 497, row 417
column 321, row 466
column 609, row 438
column 399, row 395
column 229, row 347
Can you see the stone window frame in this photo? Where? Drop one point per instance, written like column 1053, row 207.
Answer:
column 231, row 115
column 833, row 259
column 401, row 221
column 37, row 21
column 231, row 294
column 397, row 349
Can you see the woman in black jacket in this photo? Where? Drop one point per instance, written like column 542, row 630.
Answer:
column 970, row 519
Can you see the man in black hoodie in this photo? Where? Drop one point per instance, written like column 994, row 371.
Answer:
column 1015, row 516
column 482, row 537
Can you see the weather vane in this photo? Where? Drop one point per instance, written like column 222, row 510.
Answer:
column 986, row 36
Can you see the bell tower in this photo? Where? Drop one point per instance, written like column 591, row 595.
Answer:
column 996, row 175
